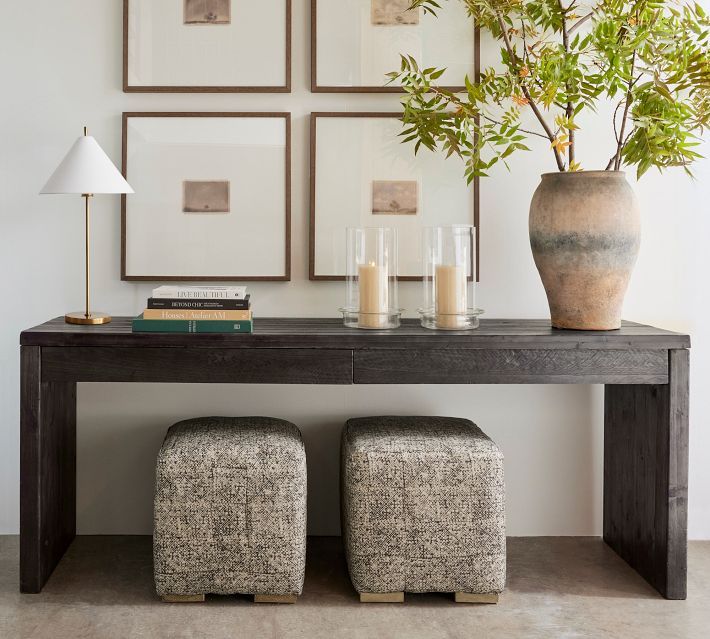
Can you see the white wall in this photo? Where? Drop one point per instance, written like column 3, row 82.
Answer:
column 60, row 68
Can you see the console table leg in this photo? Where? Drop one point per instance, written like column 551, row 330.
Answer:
column 646, row 476
column 47, row 471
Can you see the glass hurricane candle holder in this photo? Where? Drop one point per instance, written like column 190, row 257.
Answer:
column 371, row 279
column 449, row 254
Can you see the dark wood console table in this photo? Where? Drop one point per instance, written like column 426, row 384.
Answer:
column 645, row 371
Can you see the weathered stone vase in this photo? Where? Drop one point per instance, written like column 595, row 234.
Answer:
column 585, row 231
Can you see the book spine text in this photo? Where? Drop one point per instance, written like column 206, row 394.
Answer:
column 195, row 314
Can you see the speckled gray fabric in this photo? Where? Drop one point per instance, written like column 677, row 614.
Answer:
column 230, row 507
column 423, row 506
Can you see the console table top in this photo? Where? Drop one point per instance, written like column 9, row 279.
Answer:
column 330, row 333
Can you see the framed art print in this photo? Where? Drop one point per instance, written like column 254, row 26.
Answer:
column 212, row 197
column 355, row 43
column 362, row 175
column 217, row 46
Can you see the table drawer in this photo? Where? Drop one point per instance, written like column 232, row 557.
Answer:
column 197, row 365
column 510, row 366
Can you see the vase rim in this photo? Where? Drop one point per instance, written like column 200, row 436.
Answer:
column 593, row 173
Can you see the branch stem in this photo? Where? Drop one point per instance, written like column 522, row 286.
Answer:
column 569, row 109
column 526, row 93
column 621, row 141
column 494, row 121
column 579, row 23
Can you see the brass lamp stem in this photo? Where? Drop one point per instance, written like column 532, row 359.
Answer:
column 86, row 197
column 87, row 317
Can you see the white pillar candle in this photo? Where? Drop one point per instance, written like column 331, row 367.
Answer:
column 450, row 283
column 373, row 295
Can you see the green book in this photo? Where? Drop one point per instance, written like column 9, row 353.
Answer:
column 141, row 325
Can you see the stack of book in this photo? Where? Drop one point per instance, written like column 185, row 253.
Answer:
column 196, row 309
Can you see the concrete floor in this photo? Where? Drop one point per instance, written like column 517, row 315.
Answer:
column 557, row 587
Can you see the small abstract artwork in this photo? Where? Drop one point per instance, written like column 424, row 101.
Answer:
column 394, row 197
column 207, row 12
column 393, row 13
column 205, row 196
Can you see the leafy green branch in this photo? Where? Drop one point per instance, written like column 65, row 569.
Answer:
column 558, row 60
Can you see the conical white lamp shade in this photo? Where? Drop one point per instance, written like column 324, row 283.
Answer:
column 86, row 169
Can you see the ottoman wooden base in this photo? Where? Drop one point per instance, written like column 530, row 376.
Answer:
column 459, row 597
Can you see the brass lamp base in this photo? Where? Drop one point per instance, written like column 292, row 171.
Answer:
column 81, row 318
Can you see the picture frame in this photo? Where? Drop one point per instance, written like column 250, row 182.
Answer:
column 363, row 167
column 212, row 199
column 359, row 47
column 202, row 39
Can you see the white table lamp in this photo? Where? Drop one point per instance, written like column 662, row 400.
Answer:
column 86, row 170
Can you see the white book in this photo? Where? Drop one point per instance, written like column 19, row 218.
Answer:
column 201, row 292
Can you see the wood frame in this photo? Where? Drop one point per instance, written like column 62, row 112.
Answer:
column 316, row 88
column 312, row 217
column 645, row 370
column 286, row 88
column 286, row 277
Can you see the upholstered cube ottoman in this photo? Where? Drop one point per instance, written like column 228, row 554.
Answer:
column 423, row 508
column 230, row 510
